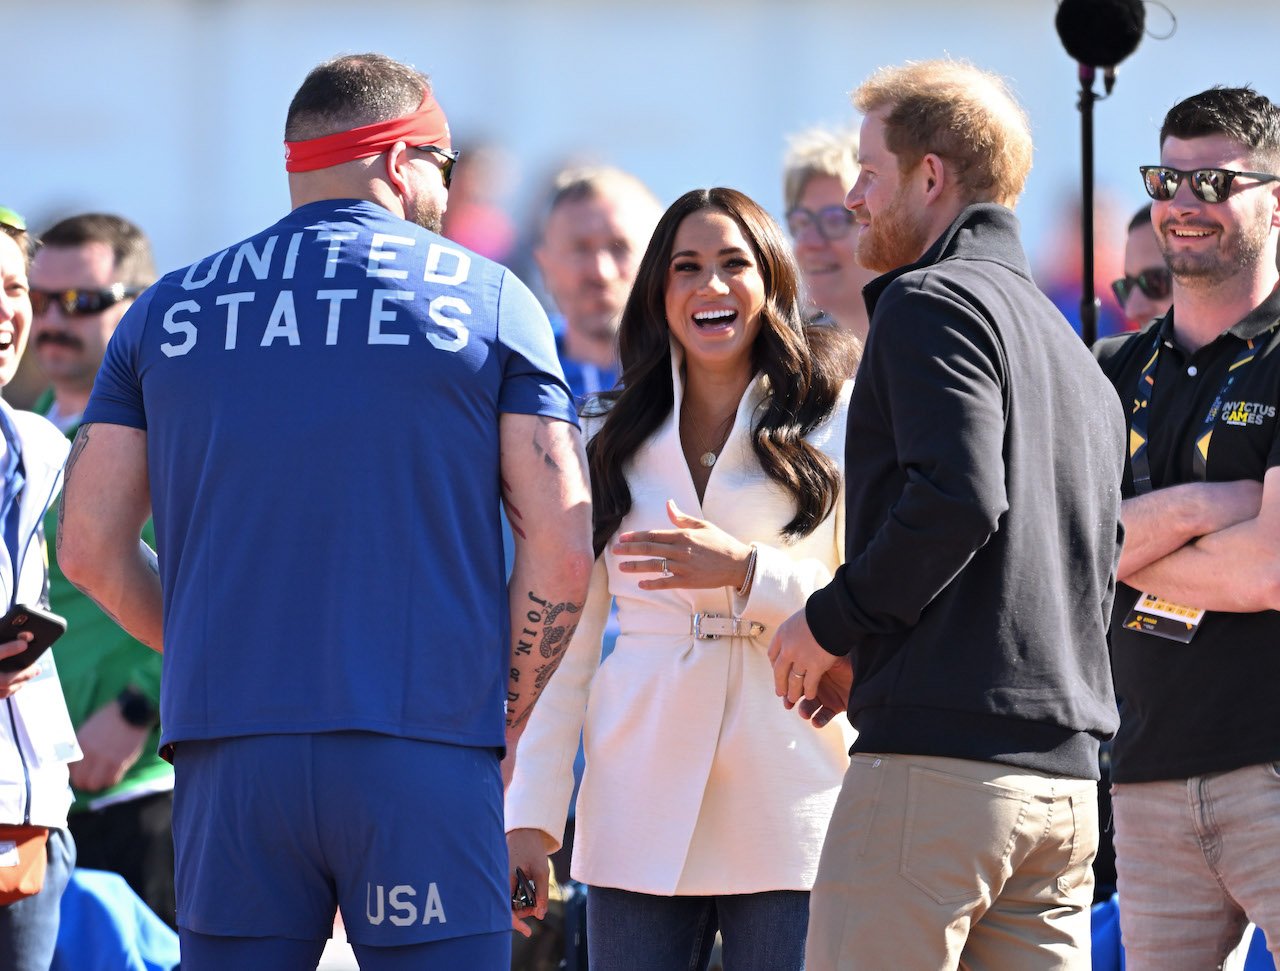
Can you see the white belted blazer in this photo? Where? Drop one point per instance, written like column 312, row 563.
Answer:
column 698, row 781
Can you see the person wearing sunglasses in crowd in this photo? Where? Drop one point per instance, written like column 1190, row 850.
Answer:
column 37, row 740
column 818, row 172
column 716, row 475
column 1195, row 631
column 1145, row 292
column 86, row 274
column 324, row 419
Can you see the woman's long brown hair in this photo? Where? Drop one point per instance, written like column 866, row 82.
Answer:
column 805, row 370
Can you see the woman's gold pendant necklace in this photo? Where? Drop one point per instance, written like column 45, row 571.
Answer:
column 709, row 458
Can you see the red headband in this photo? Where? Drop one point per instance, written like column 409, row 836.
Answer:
column 426, row 126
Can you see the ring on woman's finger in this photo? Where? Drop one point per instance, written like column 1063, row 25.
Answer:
column 665, row 572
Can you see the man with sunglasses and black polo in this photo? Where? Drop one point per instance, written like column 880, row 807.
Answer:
column 1195, row 629
column 83, row 278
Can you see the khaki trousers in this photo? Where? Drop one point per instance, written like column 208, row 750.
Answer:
column 938, row 863
column 1197, row 858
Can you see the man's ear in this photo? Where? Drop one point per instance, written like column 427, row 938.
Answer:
column 397, row 161
column 935, row 176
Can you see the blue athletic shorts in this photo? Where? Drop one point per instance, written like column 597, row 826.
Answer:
column 405, row 837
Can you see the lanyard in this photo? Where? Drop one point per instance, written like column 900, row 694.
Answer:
column 10, row 492
column 1140, row 419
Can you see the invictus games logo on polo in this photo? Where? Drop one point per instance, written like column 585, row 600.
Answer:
column 1242, row 413
column 401, row 905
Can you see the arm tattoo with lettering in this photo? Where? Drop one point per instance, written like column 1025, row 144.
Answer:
column 552, row 632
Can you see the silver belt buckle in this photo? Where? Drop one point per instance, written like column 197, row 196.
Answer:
column 706, row 626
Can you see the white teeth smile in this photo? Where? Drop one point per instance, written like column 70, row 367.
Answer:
column 1190, row 233
column 709, row 316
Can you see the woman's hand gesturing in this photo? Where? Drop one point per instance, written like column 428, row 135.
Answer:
column 696, row 554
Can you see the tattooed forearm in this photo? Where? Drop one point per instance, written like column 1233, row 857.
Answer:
column 548, row 626
column 116, row 620
column 517, row 721
column 101, row 607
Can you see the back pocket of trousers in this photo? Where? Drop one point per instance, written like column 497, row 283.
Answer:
column 958, row 834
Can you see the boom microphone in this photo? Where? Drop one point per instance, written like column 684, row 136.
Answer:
column 1100, row 33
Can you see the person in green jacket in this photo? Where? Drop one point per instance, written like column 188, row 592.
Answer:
column 86, row 273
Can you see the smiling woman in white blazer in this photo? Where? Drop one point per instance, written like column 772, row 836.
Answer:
column 717, row 478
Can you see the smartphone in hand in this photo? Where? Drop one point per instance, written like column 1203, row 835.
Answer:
column 525, row 895
column 44, row 626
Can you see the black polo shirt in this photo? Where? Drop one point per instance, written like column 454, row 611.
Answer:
column 1210, row 705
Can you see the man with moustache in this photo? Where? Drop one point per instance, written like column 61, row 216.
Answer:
column 324, row 418
column 1195, row 631
column 982, row 532
column 85, row 275
column 597, row 226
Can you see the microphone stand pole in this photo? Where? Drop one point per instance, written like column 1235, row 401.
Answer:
column 1088, row 300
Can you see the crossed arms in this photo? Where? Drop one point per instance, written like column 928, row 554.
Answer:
column 1213, row 545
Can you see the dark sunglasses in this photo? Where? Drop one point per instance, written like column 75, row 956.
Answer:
column 831, row 222
column 80, row 303
column 446, row 167
column 1207, row 185
column 1156, row 283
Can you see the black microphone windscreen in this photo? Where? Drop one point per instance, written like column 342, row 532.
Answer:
column 1100, row 33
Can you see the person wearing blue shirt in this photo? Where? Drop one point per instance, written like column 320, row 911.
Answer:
column 323, row 419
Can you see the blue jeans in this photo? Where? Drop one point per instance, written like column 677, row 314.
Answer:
column 641, row 932
column 29, row 927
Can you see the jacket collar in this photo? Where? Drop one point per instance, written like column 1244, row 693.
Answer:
column 983, row 231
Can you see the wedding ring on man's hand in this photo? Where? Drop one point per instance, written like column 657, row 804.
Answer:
column 800, row 676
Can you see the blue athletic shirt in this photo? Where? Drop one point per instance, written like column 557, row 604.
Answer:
column 321, row 405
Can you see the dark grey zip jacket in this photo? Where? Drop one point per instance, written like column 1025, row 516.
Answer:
column 983, row 461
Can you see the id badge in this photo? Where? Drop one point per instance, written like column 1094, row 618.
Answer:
column 1152, row 615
